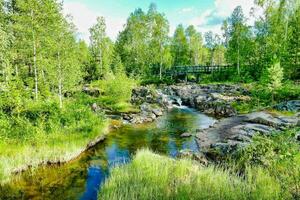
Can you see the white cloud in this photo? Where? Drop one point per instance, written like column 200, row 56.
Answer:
column 210, row 20
column 84, row 18
column 186, row 10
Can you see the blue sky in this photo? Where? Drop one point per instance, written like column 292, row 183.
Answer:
column 205, row 15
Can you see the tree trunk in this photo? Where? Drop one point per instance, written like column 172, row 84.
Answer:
column 34, row 59
column 238, row 58
column 59, row 81
column 160, row 64
column 100, row 62
column 212, row 57
column 35, row 69
column 17, row 70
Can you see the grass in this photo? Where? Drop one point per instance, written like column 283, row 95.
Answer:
column 17, row 156
column 152, row 176
column 278, row 154
column 42, row 133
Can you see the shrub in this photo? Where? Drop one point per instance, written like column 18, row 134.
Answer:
column 117, row 88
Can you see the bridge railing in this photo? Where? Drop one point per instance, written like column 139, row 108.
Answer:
column 181, row 70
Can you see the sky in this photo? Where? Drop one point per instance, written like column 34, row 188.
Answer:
column 205, row 15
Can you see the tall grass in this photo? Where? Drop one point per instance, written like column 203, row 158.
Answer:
column 41, row 132
column 152, row 176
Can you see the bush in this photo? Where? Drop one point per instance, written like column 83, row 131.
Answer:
column 117, row 88
column 278, row 155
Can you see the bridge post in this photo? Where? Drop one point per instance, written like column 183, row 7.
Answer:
column 198, row 78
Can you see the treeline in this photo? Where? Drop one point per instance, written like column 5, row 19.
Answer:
column 39, row 50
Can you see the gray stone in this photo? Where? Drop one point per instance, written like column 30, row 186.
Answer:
column 157, row 112
column 297, row 136
column 293, row 105
column 236, row 132
column 269, row 120
column 184, row 135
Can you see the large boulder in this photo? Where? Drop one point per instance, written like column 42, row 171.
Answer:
column 232, row 133
column 144, row 94
column 211, row 99
column 279, row 122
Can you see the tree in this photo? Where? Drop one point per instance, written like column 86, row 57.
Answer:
column 101, row 47
column 180, row 48
column 195, row 45
column 210, row 44
column 239, row 37
column 5, row 40
column 133, row 43
column 159, row 27
column 293, row 44
column 143, row 45
column 275, row 75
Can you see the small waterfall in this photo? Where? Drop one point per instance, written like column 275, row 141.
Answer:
column 171, row 100
column 177, row 101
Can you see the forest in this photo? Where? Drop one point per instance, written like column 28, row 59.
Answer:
column 57, row 92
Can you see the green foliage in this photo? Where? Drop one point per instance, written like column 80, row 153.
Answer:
column 143, row 44
column 116, row 90
column 261, row 96
column 278, row 155
column 101, row 49
column 275, row 77
column 35, row 132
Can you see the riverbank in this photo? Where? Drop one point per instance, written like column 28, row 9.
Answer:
column 151, row 176
column 54, row 149
column 41, row 133
column 267, row 169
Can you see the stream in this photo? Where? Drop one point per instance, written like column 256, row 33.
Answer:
column 82, row 178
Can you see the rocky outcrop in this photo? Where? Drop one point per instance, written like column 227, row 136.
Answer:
column 232, row 133
column 214, row 100
column 91, row 91
column 149, row 112
column 144, row 94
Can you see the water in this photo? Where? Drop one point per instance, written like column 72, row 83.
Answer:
column 82, row 178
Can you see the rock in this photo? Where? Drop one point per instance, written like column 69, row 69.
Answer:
column 144, row 95
column 269, row 120
column 157, row 112
column 145, row 107
column 91, row 91
column 297, row 136
column 95, row 107
column 184, row 135
column 293, row 105
column 236, row 132
column 197, row 156
column 210, row 99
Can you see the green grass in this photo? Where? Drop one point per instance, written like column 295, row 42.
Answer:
column 151, row 176
column 41, row 132
column 279, row 156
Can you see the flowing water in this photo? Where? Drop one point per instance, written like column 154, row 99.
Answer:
column 82, row 178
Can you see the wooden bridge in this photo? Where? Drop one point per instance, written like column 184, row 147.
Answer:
column 195, row 70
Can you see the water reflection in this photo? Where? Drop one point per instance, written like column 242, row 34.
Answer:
column 82, row 178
